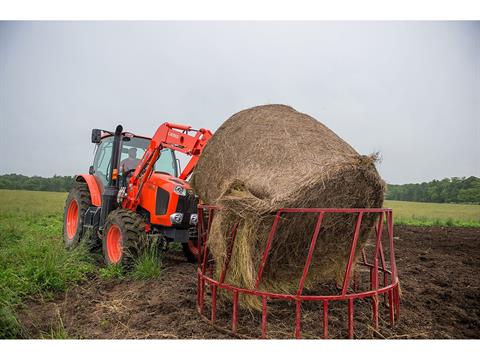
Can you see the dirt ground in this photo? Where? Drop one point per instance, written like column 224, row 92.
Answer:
column 439, row 276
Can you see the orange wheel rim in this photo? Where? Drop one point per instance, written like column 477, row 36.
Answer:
column 114, row 244
column 193, row 247
column 72, row 219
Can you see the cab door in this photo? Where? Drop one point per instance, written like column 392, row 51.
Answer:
column 103, row 161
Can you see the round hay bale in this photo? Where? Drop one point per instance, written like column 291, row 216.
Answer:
column 270, row 157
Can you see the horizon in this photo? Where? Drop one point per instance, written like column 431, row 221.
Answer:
column 421, row 182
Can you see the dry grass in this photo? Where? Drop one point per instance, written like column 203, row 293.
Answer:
column 270, row 157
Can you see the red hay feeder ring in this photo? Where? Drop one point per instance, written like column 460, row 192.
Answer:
column 390, row 287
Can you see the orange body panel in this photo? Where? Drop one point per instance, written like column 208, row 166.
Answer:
column 149, row 192
column 95, row 194
column 172, row 136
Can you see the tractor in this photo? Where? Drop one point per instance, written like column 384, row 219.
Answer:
column 134, row 193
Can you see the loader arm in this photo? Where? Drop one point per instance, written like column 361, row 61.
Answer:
column 181, row 138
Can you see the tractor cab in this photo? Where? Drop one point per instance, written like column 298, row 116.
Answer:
column 132, row 149
column 134, row 193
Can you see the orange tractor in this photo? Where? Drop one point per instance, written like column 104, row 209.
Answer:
column 125, row 202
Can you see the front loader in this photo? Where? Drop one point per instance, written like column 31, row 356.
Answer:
column 126, row 201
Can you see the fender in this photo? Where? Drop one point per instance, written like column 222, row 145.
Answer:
column 95, row 194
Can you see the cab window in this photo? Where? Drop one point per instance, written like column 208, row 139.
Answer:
column 103, row 156
column 131, row 153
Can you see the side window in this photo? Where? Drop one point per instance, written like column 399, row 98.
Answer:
column 103, row 156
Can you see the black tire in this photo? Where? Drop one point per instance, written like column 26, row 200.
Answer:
column 81, row 196
column 131, row 228
column 190, row 248
column 189, row 255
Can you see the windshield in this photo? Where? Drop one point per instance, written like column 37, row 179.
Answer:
column 131, row 153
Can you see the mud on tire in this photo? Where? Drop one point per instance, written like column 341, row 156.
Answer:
column 123, row 238
column 78, row 201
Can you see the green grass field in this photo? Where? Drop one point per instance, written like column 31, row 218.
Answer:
column 32, row 258
column 431, row 214
column 33, row 261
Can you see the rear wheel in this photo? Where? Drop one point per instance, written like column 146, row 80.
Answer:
column 78, row 201
column 123, row 238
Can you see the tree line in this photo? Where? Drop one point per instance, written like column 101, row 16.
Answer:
column 449, row 190
column 464, row 190
column 22, row 182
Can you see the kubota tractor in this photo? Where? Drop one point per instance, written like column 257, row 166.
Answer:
column 125, row 202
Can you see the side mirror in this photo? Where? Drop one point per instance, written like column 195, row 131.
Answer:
column 91, row 171
column 96, row 136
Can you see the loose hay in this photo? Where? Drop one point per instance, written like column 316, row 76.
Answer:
column 270, row 157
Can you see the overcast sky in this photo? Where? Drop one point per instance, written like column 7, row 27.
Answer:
column 410, row 90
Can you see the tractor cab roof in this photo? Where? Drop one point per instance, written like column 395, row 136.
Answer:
column 105, row 133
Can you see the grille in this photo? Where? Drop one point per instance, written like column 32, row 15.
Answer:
column 187, row 204
column 161, row 203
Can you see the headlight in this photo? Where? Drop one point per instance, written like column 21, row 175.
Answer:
column 176, row 218
column 180, row 190
column 193, row 219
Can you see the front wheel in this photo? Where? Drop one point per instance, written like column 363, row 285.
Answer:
column 123, row 238
column 191, row 250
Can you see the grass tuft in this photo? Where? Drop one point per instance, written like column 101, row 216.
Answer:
column 148, row 264
column 57, row 332
column 112, row 271
column 9, row 326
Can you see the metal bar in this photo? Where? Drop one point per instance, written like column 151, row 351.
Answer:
column 346, row 278
column 267, row 249
column 214, row 303
column 198, row 288
column 397, row 302
column 202, row 294
column 211, row 211
column 377, row 248
column 393, row 266
column 334, row 210
column 390, row 307
column 382, row 257
column 207, row 232
column 297, row 320
column 355, row 280
column 264, row 317
column 364, row 256
column 235, row 311
column 199, row 235
column 350, row 318
column 375, row 311
column 233, row 236
column 325, row 319
column 384, row 267
column 317, row 210
column 291, row 297
column 310, row 253
column 385, row 282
